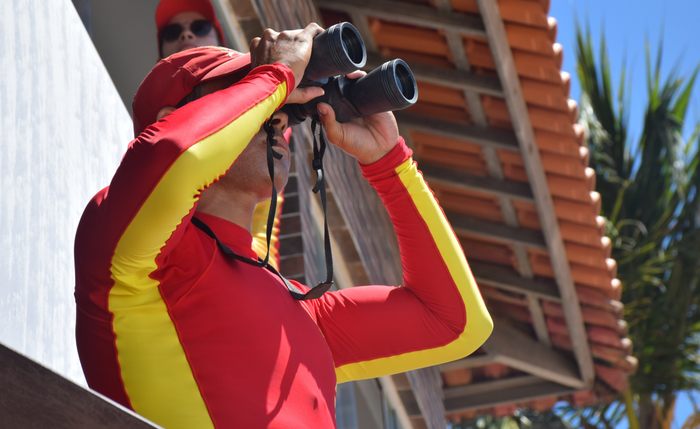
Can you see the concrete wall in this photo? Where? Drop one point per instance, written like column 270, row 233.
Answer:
column 63, row 129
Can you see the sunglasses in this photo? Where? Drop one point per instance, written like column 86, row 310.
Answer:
column 199, row 27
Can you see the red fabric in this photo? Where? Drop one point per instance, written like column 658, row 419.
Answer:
column 258, row 359
column 174, row 77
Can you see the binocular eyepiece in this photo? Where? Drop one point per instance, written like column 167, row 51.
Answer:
column 340, row 50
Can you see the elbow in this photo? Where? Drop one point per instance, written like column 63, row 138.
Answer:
column 485, row 328
column 477, row 330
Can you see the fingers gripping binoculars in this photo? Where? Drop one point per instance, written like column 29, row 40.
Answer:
column 340, row 50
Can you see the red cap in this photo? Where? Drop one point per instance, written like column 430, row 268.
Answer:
column 169, row 8
column 174, row 77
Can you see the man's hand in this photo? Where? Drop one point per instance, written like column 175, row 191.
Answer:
column 291, row 48
column 367, row 139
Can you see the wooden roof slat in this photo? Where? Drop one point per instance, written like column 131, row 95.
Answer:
column 507, row 344
column 491, row 386
column 470, row 133
column 458, row 79
column 506, row 188
column 468, row 362
column 496, row 276
column 427, row 388
column 409, row 13
column 541, row 389
column 519, row 114
column 494, row 231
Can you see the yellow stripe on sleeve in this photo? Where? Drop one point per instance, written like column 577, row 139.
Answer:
column 479, row 324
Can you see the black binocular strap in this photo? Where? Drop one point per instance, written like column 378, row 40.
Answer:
column 296, row 293
column 321, row 288
column 320, row 185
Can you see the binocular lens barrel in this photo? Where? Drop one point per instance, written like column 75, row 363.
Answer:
column 338, row 50
column 388, row 87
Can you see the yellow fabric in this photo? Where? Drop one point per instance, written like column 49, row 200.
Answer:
column 479, row 324
column 147, row 341
column 259, row 230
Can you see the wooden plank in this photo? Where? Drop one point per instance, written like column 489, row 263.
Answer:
column 503, row 278
column 459, row 179
column 392, row 396
column 458, row 79
column 468, row 362
column 517, row 350
column 409, row 13
column 494, row 231
column 528, row 392
column 233, row 31
column 35, row 397
column 482, row 136
column 427, row 388
column 505, row 66
column 480, row 388
column 539, row 323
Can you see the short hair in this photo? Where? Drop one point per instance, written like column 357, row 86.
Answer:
column 195, row 94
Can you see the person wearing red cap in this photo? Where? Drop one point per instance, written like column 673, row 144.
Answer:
column 187, row 24
column 177, row 321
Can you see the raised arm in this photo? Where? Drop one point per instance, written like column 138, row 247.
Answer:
column 437, row 316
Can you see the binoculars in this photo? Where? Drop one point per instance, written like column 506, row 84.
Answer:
column 340, row 50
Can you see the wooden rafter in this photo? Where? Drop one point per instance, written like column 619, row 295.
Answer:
column 485, row 137
column 520, row 117
column 460, row 180
column 408, row 13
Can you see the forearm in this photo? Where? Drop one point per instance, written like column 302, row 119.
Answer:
column 438, row 316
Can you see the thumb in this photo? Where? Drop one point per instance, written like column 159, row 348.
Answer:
column 302, row 95
column 326, row 116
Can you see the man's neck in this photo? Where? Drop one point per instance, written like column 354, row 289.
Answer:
column 224, row 204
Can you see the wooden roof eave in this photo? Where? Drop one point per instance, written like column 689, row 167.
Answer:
column 490, row 140
column 543, row 199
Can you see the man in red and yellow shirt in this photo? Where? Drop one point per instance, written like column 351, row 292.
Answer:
column 172, row 327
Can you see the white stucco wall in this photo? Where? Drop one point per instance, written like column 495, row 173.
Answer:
column 63, row 129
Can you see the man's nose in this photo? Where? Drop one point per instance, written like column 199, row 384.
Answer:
column 187, row 34
column 280, row 121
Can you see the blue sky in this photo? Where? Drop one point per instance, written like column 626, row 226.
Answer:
column 627, row 24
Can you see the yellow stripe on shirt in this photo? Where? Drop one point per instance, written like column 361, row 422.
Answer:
column 154, row 368
column 479, row 324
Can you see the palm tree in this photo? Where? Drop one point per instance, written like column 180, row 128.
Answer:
column 649, row 190
column 650, row 196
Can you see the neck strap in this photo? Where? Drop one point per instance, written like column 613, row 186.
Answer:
column 314, row 293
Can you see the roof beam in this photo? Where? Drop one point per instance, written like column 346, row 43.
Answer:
column 528, row 392
column 485, row 137
column 494, row 231
column 501, row 384
column 517, row 108
column 408, row 13
column 458, row 179
column 458, row 79
column 507, row 344
column 426, row 384
column 392, row 396
column 496, row 276
column 519, row 389
column 468, row 362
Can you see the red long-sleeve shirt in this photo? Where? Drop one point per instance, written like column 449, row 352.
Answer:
column 170, row 327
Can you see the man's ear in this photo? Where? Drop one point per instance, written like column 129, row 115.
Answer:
column 165, row 111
